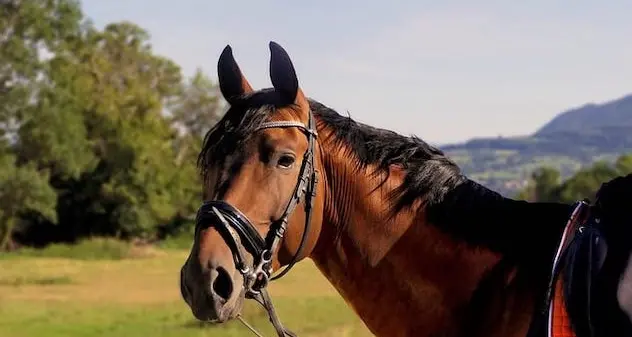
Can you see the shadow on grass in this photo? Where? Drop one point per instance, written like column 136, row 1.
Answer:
column 40, row 281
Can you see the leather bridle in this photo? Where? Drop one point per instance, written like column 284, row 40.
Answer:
column 235, row 227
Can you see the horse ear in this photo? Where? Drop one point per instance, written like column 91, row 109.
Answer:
column 283, row 75
column 231, row 81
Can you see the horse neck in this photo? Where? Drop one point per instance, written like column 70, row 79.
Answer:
column 398, row 273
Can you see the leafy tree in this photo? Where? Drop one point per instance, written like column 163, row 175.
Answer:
column 545, row 185
column 29, row 31
column 193, row 112
column 110, row 89
column 624, row 164
column 22, row 189
column 586, row 182
column 198, row 107
column 84, row 138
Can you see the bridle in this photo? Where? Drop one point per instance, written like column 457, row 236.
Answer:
column 235, row 227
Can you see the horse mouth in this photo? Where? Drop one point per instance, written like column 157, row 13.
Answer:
column 208, row 311
column 221, row 318
column 208, row 315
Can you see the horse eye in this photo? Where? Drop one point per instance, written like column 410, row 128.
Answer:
column 285, row 161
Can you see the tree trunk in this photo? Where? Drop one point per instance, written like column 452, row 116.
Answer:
column 7, row 231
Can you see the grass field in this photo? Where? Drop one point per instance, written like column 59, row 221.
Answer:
column 54, row 297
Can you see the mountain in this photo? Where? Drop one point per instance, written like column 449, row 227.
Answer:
column 591, row 116
column 573, row 139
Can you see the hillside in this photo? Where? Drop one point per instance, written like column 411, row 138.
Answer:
column 572, row 139
column 591, row 116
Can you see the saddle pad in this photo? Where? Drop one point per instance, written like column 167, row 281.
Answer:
column 559, row 319
column 560, row 322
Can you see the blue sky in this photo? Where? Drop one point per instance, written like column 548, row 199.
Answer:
column 446, row 71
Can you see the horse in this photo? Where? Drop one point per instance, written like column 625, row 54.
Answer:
column 414, row 246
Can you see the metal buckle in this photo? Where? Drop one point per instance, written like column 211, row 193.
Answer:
column 259, row 277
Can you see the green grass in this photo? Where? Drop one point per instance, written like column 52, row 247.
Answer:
column 310, row 317
column 69, row 296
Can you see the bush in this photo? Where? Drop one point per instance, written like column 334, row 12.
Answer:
column 181, row 241
column 89, row 249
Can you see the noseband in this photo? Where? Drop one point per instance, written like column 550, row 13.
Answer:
column 235, row 227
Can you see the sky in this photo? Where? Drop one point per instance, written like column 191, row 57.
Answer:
column 446, row 71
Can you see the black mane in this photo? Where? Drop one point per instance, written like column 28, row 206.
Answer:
column 429, row 173
column 455, row 204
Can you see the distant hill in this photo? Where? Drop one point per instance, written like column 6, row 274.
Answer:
column 573, row 139
column 591, row 116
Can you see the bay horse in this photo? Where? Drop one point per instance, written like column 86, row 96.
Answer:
column 413, row 246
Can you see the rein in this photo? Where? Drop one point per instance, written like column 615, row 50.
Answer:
column 236, row 228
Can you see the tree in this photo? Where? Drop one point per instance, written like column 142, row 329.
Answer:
column 624, row 164
column 545, row 185
column 22, row 189
column 198, row 107
column 29, row 31
column 193, row 112
column 546, row 181
column 111, row 86
column 98, row 134
column 586, row 182
column 542, row 186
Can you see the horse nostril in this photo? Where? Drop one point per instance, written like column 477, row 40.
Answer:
column 222, row 285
